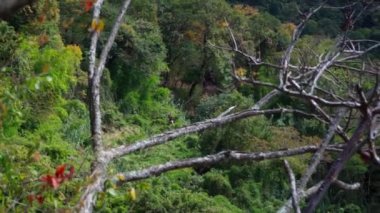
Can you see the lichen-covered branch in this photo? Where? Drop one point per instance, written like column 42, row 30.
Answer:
column 224, row 156
column 193, row 128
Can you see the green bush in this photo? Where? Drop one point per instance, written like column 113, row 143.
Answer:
column 217, row 184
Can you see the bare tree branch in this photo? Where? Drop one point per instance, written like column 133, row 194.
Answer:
column 296, row 34
column 226, row 112
column 316, row 159
column 99, row 166
column 196, row 127
column 287, row 207
column 224, row 156
column 351, row 148
column 345, row 186
column 264, row 100
column 304, row 95
column 111, row 39
column 293, row 187
column 358, row 53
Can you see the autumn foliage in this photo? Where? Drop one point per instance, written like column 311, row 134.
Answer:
column 52, row 181
column 88, row 5
column 59, row 177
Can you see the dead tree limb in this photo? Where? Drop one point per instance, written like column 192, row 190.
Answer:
column 224, row 156
column 332, row 175
column 293, row 187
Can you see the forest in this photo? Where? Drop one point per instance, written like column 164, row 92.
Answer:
column 189, row 106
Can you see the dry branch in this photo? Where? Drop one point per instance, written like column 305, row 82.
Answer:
column 287, row 207
column 224, row 156
column 196, row 127
column 293, row 187
column 315, row 160
column 352, row 146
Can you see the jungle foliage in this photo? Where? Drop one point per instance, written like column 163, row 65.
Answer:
column 161, row 73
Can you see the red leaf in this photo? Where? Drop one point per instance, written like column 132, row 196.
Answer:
column 71, row 173
column 59, row 176
column 60, row 170
column 40, row 199
column 30, row 198
column 51, row 181
column 45, row 178
column 88, row 4
column 55, row 182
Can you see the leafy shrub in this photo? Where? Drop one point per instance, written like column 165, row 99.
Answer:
column 8, row 43
column 217, row 184
column 212, row 106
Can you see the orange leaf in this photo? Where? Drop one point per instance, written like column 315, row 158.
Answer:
column 36, row 156
column 41, row 18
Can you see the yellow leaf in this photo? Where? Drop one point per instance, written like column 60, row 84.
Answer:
column 45, row 68
column 100, row 26
column 121, row 177
column 93, row 25
column 132, row 193
column 225, row 24
column 241, row 72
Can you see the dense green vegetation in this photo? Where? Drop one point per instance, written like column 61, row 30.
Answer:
column 162, row 73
